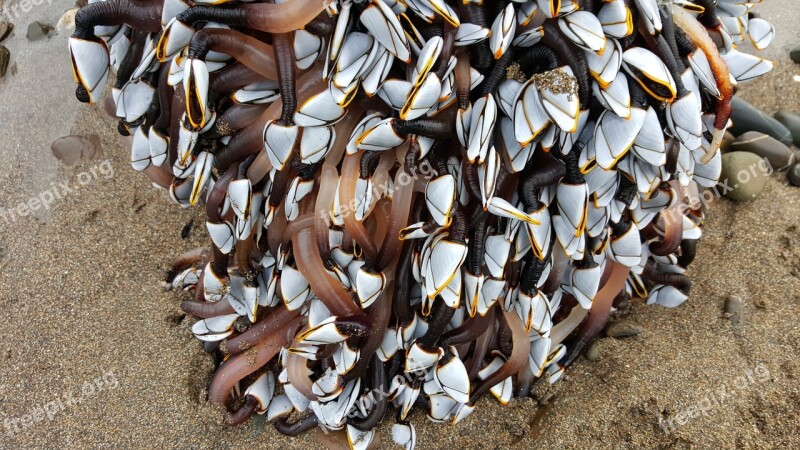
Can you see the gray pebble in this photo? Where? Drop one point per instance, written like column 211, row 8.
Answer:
column 592, row 353
column 747, row 117
column 259, row 422
column 794, row 175
column 791, row 121
column 778, row 155
column 743, row 174
column 622, row 328
column 733, row 309
column 38, row 31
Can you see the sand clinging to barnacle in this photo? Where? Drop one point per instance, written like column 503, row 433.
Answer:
column 428, row 200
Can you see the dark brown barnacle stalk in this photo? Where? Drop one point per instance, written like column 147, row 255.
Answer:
column 675, row 279
column 138, row 14
column 481, row 55
column 284, row 57
column 537, row 59
column 271, row 18
column 688, row 252
column 297, row 427
column 432, row 128
column 378, row 384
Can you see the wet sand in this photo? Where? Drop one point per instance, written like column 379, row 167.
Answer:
column 96, row 354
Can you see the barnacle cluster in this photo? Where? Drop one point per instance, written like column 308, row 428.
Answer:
column 424, row 199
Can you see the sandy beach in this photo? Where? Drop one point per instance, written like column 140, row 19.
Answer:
column 95, row 354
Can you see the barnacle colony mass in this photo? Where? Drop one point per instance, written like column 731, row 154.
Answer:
column 426, row 199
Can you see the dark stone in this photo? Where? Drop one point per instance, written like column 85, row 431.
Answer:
column 5, row 29
column 791, row 121
column 795, row 54
column 747, row 117
column 778, row 155
column 794, row 175
column 5, row 57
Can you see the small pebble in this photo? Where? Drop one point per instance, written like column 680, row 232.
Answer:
column 187, row 229
column 5, row 57
column 592, row 353
column 733, row 309
column 794, row 175
column 622, row 328
column 778, row 155
column 747, row 117
column 38, row 30
column 5, row 29
column 791, row 121
column 795, row 54
column 743, row 175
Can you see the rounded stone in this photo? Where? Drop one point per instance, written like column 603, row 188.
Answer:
column 794, row 175
column 795, row 54
column 743, row 176
column 778, row 155
column 622, row 328
column 791, row 121
column 747, row 117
